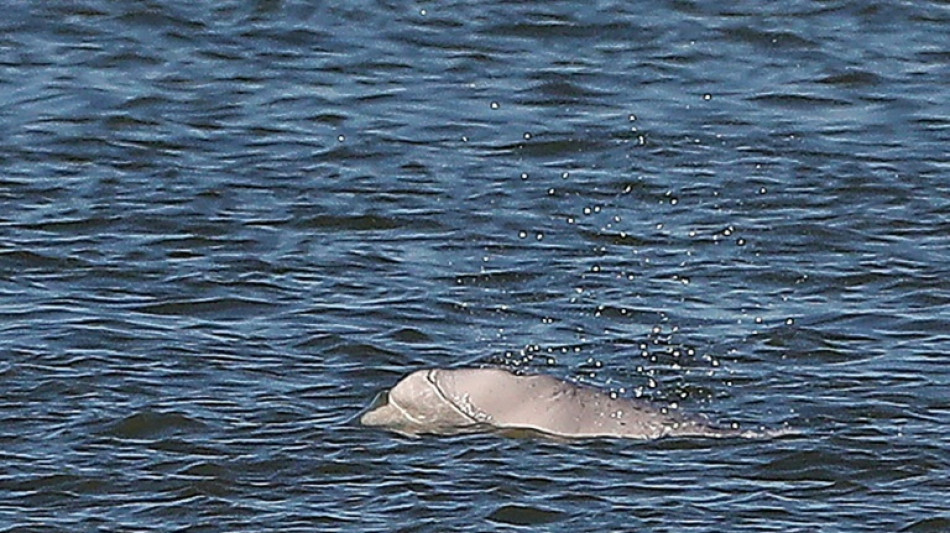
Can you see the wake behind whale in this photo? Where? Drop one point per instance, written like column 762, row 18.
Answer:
column 455, row 401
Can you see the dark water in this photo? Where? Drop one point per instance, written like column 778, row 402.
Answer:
column 224, row 226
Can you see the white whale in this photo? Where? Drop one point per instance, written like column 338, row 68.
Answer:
column 448, row 402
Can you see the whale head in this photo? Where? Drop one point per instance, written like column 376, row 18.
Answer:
column 416, row 405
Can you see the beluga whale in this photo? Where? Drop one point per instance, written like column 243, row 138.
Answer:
column 441, row 401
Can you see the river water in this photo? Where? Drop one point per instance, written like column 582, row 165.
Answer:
column 225, row 226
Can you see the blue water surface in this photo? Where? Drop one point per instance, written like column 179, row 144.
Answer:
column 225, row 226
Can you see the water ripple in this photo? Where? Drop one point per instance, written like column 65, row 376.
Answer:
column 223, row 231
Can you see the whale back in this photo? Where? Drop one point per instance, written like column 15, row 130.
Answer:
column 549, row 405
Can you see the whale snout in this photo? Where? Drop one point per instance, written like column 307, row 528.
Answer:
column 378, row 413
